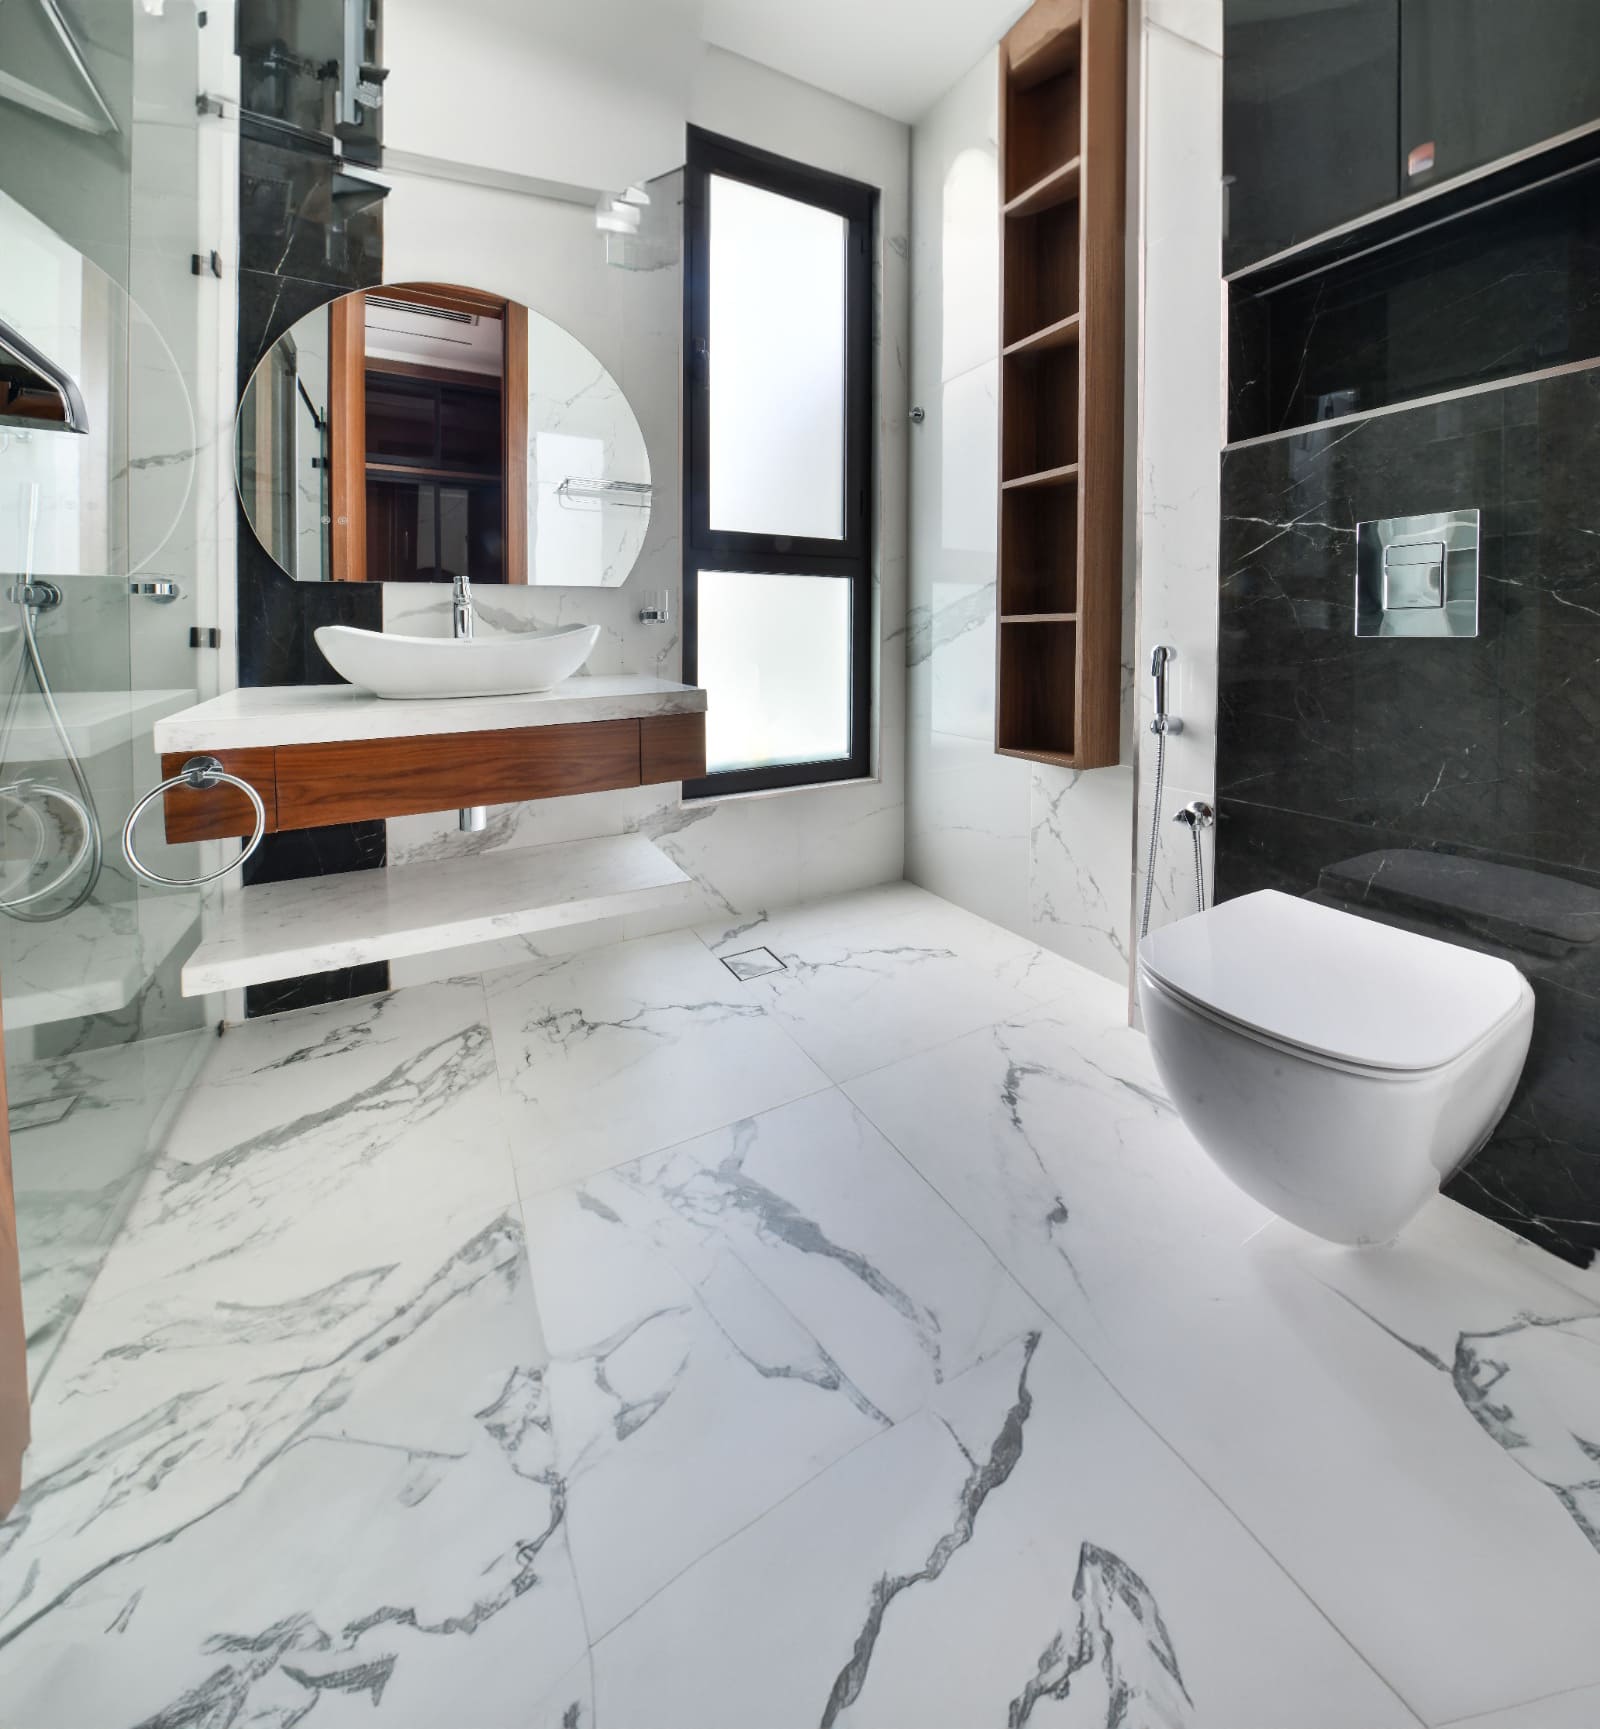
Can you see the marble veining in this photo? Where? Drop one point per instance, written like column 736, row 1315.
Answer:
column 564, row 1347
column 1548, row 1417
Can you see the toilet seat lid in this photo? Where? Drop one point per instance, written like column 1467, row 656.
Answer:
column 1333, row 983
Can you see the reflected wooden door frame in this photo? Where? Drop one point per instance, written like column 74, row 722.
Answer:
column 347, row 419
column 347, row 436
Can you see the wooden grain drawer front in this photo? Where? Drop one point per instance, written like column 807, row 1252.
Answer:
column 672, row 747
column 365, row 779
column 221, row 811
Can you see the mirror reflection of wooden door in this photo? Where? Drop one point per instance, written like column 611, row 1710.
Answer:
column 13, row 1339
column 359, row 457
column 347, row 437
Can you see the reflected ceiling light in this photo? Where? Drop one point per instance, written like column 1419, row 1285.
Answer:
column 621, row 212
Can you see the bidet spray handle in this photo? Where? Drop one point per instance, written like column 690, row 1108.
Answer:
column 1160, row 658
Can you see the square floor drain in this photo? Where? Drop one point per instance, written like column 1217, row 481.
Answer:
column 753, row 964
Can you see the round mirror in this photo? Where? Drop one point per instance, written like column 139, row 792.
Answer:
column 422, row 431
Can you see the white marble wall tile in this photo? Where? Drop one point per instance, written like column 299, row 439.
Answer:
column 967, row 830
column 790, row 1273
column 1174, row 895
column 1045, row 855
column 1053, row 1138
column 1180, row 414
column 1024, row 1551
column 1198, row 20
column 608, row 1055
column 1079, row 856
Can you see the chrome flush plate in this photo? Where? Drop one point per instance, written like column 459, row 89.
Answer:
column 1418, row 575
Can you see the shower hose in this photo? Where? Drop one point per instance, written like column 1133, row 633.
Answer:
column 26, row 795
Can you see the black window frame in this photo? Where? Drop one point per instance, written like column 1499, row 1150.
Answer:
column 704, row 548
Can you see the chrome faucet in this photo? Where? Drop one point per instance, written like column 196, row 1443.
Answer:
column 461, row 606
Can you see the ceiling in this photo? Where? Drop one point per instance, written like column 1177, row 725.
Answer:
column 895, row 56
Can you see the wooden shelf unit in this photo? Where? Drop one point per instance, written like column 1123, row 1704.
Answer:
column 1063, row 96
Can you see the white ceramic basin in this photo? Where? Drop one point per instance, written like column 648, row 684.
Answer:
column 423, row 666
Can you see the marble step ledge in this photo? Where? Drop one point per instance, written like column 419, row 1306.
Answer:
column 94, row 963
column 323, row 924
column 96, row 721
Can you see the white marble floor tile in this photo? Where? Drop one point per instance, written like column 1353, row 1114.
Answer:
column 295, row 1451
column 353, row 1112
column 872, row 977
column 780, row 1427
column 1023, row 1552
column 1579, row 1710
column 609, row 1055
column 1392, row 1408
column 84, row 1130
column 732, row 1315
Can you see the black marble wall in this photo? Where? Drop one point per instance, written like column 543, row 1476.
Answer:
column 1481, row 756
column 1509, row 289
column 307, row 234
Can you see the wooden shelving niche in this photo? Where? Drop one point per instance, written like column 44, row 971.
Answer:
column 1063, row 83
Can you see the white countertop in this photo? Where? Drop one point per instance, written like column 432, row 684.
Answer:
column 322, row 713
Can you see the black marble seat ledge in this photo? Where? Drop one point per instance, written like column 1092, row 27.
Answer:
column 1264, row 846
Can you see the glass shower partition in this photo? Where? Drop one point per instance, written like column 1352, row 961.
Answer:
column 98, row 220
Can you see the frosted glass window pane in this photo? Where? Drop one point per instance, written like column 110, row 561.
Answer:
column 777, row 364
column 775, row 666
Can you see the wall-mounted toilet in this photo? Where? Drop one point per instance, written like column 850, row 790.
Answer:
column 1337, row 1069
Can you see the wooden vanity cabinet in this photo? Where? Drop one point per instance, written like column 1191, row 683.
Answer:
column 360, row 780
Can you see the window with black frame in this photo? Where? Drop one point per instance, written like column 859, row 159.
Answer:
column 778, row 467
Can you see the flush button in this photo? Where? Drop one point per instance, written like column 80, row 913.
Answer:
column 1418, row 575
column 1413, row 576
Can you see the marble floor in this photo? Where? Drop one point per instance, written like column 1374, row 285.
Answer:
column 616, row 1341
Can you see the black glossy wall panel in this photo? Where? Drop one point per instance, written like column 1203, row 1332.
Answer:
column 1481, row 79
column 300, row 246
column 1310, row 119
column 1332, row 747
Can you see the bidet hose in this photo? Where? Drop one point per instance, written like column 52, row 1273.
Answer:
column 1155, row 833
column 1199, row 869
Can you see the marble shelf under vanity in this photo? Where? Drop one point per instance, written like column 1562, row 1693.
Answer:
column 338, row 713
column 283, row 930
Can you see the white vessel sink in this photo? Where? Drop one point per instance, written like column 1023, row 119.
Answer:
column 424, row 666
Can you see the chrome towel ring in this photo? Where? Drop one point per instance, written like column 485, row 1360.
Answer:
column 199, row 774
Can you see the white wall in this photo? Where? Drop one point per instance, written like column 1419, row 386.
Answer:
column 1180, row 421
column 1041, row 850
column 747, row 853
column 593, row 94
